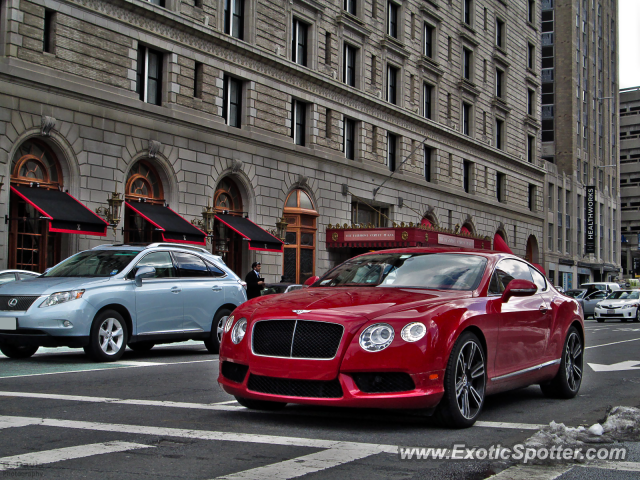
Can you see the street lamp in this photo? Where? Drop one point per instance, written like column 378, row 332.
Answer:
column 112, row 213
column 206, row 222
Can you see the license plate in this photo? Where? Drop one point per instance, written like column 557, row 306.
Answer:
column 611, row 311
column 8, row 323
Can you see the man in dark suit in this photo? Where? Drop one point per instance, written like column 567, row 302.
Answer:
column 255, row 283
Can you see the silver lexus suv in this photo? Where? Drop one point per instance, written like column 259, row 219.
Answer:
column 115, row 296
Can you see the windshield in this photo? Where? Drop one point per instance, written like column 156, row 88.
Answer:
column 624, row 295
column 98, row 263
column 441, row 271
column 575, row 293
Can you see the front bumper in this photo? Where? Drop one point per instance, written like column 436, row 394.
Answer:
column 45, row 326
column 629, row 313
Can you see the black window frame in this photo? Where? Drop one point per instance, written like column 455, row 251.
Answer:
column 231, row 105
column 234, row 10
column 466, row 175
column 428, row 152
column 499, row 83
column 300, row 42
column 500, row 33
column 206, row 271
column 531, row 102
column 349, row 64
column 350, row 6
column 427, row 100
column 298, row 122
column 499, row 125
column 531, row 148
column 392, row 150
column 466, row 118
column 392, row 84
column 467, row 12
column 143, row 77
column 500, row 186
column 350, row 138
column 49, row 31
column 467, row 59
column 393, row 10
column 428, row 40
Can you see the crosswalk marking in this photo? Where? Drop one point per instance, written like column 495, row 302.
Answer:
column 9, row 422
column 622, row 466
column 67, row 453
column 532, row 472
column 223, row 406
column 299, row 466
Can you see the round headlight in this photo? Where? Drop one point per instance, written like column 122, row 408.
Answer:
column 227, row 326
column 239, row 329
column 413, row 332
column 376, row 337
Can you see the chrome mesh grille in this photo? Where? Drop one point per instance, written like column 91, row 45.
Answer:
column 296, row 339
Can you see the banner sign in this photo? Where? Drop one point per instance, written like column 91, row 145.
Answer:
column 590, row 215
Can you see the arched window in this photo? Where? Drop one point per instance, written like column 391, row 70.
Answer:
column 31, row 245
column 143, row 184
column 300, row 241
column 227, row 198
column 227, row 243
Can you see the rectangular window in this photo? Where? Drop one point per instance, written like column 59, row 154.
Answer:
column 328, row 119
column 298, row 121
column 531, row 12
column 350, row 6
column 198, row 79
column 427, row 163
column 500, row 186
column 560, row 238
column 466, row 119
column 550, row 198
column 299, row 42
column 499, row 33
column 550, row 238
column 327, row 49
column 585, row 173
column 499, row 83
column 428, row 40
column 149, row 76
column 234, row 18
column 532, row 198
column 374, row 69
column 49, row 34
column 467, row 14
column 350, row 138
column 531, row 148
column 232, row 101
column 560, row 205
column 499, row 133
column 531, row 102
column 428, row 98
column 392, row 19
column 466, row 63
column 531, row 56
column 391, row 151
column 392, row 81
column 160, row 3
column 466, row 176
column 349, row 65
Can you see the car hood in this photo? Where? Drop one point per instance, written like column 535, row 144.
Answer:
column 616, row 303
column 348, row 304
column 48, row 285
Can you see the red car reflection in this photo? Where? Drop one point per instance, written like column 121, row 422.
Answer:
column 435, row 329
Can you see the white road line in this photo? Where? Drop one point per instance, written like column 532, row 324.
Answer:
column 68, row 453
column 299, row 466
column 147, row 403
column 131, row 364
column 16, row 422
column 208, row 435
column 222, row 406
column 224, row 403
column 612, row 343
column 532, row 472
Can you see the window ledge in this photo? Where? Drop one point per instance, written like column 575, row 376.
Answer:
column 532, row 72
column 532, row 26
column 532, row 122
column 429, row 13
column 393, row 45
column 498, row 57
column 465, row 36
column 468, row 27
column 500, row 104
column 354, row 24
column 431, row 65
column 469, row 87
column 312, row 4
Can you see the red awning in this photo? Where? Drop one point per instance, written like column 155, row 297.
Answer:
column 174, row 227
column 499, row 245
column 425, row 221
column 464, row 230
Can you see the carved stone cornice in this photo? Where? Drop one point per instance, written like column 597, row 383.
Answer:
column 430, row 65
column 391, row 44
column 430, row 13
column 354, row 24
column 532, row 122
column 499, row 56
column 312, row 4
column 469, row 39
column 500, row 104
column 532, row 81
column 469, row 87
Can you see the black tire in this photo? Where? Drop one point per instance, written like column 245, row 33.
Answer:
column 260, row 404
column 600, row 320
column 108, row 337
column 142, row 346
column 18, row 351
column 623, row 320
column 467, row 369
column 567, row 381
column 637, row 317
column 217, row 328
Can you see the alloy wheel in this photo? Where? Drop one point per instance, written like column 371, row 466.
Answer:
column 220, row 328
column 573, row 361
column 470, row 380
column 111, row 336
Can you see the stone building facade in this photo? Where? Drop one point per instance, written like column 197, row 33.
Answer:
column 579, row 138
column 630, row 179
column 272, row 108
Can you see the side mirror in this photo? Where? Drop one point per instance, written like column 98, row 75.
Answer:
column 144, row 272
column 519, row 288
column 310, row 281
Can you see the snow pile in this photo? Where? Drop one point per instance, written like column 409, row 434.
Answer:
column 623, row 423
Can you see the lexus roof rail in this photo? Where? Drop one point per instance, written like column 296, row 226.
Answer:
column 179, row 245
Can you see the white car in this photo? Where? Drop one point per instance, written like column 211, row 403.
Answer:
column 622, row 304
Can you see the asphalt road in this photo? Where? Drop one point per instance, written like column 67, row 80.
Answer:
column 161, row 414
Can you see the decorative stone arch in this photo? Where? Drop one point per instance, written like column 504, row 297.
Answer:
column 431, row 217
column 165, row 170
column 245, row 188
column 468, row 226
column 532, row 253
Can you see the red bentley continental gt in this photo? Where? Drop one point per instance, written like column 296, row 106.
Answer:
column 420, row 328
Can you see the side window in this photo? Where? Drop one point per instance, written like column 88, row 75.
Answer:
column 506, row 271
column 539, row 280
column 215, row 271
column 190, row 265
column 161, row 261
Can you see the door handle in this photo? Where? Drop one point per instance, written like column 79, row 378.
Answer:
column 543, row 309
column 216, row 288
column 176, row 289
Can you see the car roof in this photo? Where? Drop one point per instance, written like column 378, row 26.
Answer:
column 147, row 246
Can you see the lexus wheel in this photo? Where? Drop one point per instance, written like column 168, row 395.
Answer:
column 18, row 351
column 260, row 404
column 217, row 330
column 108, row 338
column 567, row 381
column 464, row 384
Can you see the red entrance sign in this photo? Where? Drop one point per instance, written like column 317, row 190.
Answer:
column 369, row 235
